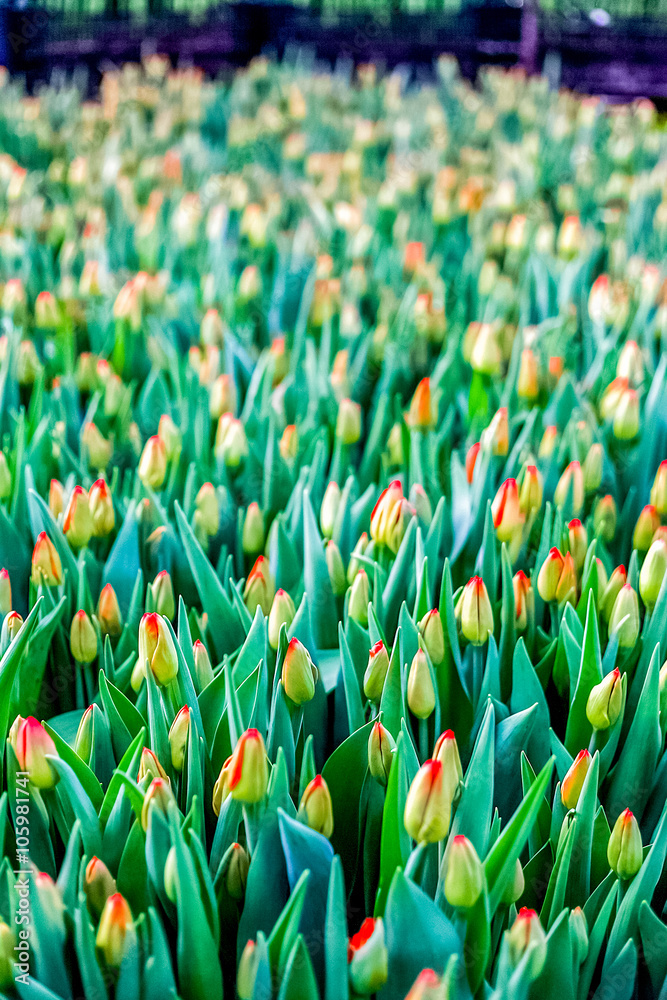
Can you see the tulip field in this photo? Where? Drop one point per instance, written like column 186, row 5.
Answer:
column 333, row 538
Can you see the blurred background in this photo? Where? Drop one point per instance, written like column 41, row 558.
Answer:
column 618, row 49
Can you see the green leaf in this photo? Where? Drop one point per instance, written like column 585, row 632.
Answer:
column 579, row 728
column 335, row 936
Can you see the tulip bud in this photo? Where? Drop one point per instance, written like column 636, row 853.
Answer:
column 222, row 397
column 524, row 600
column 259, row 589
column 248, row 768
column 567, row 584
column 289, row 443
column 329, row 509
column 384, row 510
column 549, row 575
column 507, row 514
column 527, row 933
column 497, row 434
column 348, row 422
column 158, row 794
column 78, row 522
column 624, row 618
column 527, row 386
column 368, row 958
column 234, row 867
column 282, row 613
column 178, row 737
column 653, row 572
column 604, row 518
column 96, row 446
column 12, row 625
column 471, row 460
column 630, row 364
column 625, row 848
column 335, row 568
column 376, row 672
column 592, row 468
column 530, row 493
column 56, row 498
column 433, row 635
column 170, row 436
column 116, row 930
column 578, row 542
column 33, row 743
column 574, row 779
column 150, row 766
column 659, row 489
column 605, row 701
column 231, row 443
column 548, row 442
column 647, row 524
column 447, row 752
column 428, row 805
column 253, row 530
column 108, row 612
column 572, row 478
column 381, row 748
column 515, row 889
column 163, row 595
column 5, row 593
column 357, row 607
column 98, row 885
column 473, row 610
column 486, row 357
column 203, row 668
column 428, row 986
column 101, row 509
column 207, row 509
column 316, row 808
column 464, row 880
column 421, row 415
column 247, row 972
column 221, row 787
column 421, row 503
column 152, row 468
column 421, row 693
column 613, row 588
column 83, row 638
column 157, row 646
column 299, row 674
column 353, row 566
column 626, row 416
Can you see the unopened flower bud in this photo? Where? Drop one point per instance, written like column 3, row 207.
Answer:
column 83, row 638
column 497, row 434
column 78, row 521
column 359, row 595
column 625, row 848
column 96, row 446
column 231, row 443
column 428, row 986
column 170, row 436
column 653, row 572
column 527, row 933
column 471, row 460
column 486, row 356
column 282, row 613
column 616, row 582
column 235, row 865
column 420, row 415
column 624, row 620
column 507, row 514
column 221, row 787
column 528, row 385
column 163, row 595
column 5, row 593
column 530, row 493
column 253, row 530
column 548, row 442
column 604, row 518
column 348, row 423
column 549, row 575
column 574, row 779
column 158, row 795
column 152, row 468
column 368, row 958
column 248, row 769
column 421, row 693
column 605, row 701
column 630, row 364
column 203, row 667
column 207, row 509
column 336, row 569
column 222, row 397
column 428, row 805
column 592, row 467
column 247, row 972
column 259, row 589
column 474, row 612
column 571, row 479
column 12, row 625
column 659, row 489
column 115, row 931
column 316, row 808
column 626, row 416
column 150, row 767
column 33, row 743
column 514, row 890
column 381, row 748
column 329, row 509
column 178, row 737
column 299, row 674
column 579, row 934
column 433, row 635
column 447, row 752
column 101, row 509
column 289, row 443
column 108, row 612
column 464, row 880
column 157, row 646
column 524, row 600
column 647, row 524
column 98, row 884
column 578, row 542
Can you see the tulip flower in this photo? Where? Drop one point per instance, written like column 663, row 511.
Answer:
column 115, row 931
column 108, row 612
column 574, row 779
column 625, row 849
column 474, row 612
column 5, row 592
column 368, row 958
column 83, row 638
column 526, row 934
column 316, row 808
column 428, row 805
column 624, row 619
column 348, row 424
column 78, row 521
column 152, row 468
column 524, row 600
column 359, row 596
column 33, row 743
column 592, row 468
column 464, row 879
column 98, row 885
column 252, row 539
column 659, row 490
column 163, row 595
column 376, row 672
column 421, row 693
column 335, row 568
column 157, row 646
column 421, row 414
column 647, row 524
column 572, row 479
column 178, row 737
column 259, row 589
column 329, row 509
column 248, row 768
column 613, row 588
column 653, row 572
column 381, row 748
column 507, row 515
column 605, row 701
column 299, row 674
column 282, row 613
column 101, row 509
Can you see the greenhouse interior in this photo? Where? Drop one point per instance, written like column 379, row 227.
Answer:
column 333, row 500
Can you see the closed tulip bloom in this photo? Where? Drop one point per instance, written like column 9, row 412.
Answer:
column 12, row 625
column 464, row 879
column 530, row 492
column 282, row 613
column 152, row 468
column 158, row 795
column 207, row 509
column 384, row 510
column 605, row 701
column 33, row 743
column 433, row 634
column 170, row 436
column 335, row 568
column 247, row 971
column 316, row 808
column 428, row 986
column 108, row 612
column 299, row 674
column 515, row 889
column 625, row 849
column 289, row 443
column 329, row 509
column 163, row 595
column 486, row 356
column 359, row 596
column 252, row 539
column 567, row 584
column 348, row 423
column 234, row 870
column 83, row 638
column 624, row 620
column 578, row 542
column 231, row 443
column 574, row 779
column 150, row 767
column 647, row 524
column 527, row 933
column 178, row 737
column 604, row 518
column 653, row 572
column 549, row 575
column 259, row 589
column 56, row 498
column 421, row 415
column 98, row 884
column 428, row 806
column 507, row 515
column 157, row 646
column 222, row 397
column 626, row 416
column 78, row 521
column 474, row 612
column 248, row 769
column 528, row 385
column 101, row 509
column 359, row 549
column 115, row 931
column 571, row 479
column 381, row 748
column 221, row 787
column 471, row 460
column 616, row 582
column 592, row 468
column 524, row 600
column 98, row 449
column 368, row 958
column 447, row 752
column 497, row 434
column 376, row 672
column 203, row 668
column 421, row 693
column 659, row 489
column 548, row 442
column 5, row 593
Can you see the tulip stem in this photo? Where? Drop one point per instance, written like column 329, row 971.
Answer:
column 423, row 739
column 252, row 815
